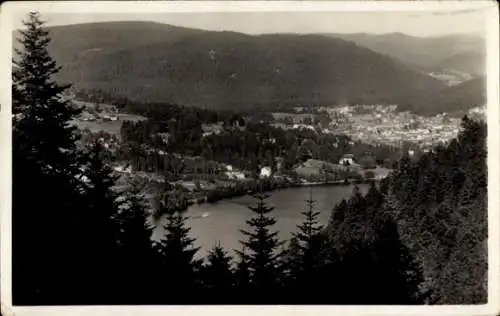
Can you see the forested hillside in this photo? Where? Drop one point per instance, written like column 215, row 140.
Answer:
column 440, row 203
column 223, row 70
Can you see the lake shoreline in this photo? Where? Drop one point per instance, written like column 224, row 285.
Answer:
column 280, row 186
column 222, row 222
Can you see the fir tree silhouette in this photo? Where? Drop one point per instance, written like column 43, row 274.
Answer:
column 263, row 246
column 242, row 278
column 218, row 277
column 100, row 217
column 308, row 257
column 45, row 166
column 378, row 272
column 139, row 260
column 180, row 267
column 371, row 263
column 397, row 268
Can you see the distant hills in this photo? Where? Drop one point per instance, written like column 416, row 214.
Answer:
column 455, row 100
column 464, row 53
column 472, row 62
column 148, row 61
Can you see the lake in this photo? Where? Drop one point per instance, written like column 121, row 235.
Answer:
column 222, row 221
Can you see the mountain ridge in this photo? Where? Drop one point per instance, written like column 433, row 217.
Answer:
column 456, row 99
column 424, row 52
column 156, row 62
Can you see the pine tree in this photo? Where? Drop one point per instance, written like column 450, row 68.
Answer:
column 396, row 269
column 179, row 265
column 263, row 245
column 218, row 276
column 367, row 262
column 356, row 223
column 338, row 213
column 381, row 270
column 288, row 263
column 242, row 275
column 100, row 218
column 174, row 168
column 38, row 107
column 309, row 255
column 45, row 167
column 393, row 208
column 100, row 181
column 139, row 260
column 374, row 199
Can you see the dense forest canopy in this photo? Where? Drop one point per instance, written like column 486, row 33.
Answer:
column 441, row 205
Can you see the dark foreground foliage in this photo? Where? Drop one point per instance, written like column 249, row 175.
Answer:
column 440, row 203
column 74, row 243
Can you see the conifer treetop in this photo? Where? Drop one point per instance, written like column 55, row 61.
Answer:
column 41, row 116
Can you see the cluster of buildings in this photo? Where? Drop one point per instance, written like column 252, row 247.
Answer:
column 451, row 77
column 382, row 124
column 285, row 126
column 210, row 129
column 220, row 127
column 234, row 174
column 88, row 117
column 110, row 143
column 97, row 112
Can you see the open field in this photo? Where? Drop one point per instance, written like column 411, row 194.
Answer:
column 111, row 127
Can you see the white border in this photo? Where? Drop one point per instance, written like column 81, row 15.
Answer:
column 8, row 9
column 243, row 6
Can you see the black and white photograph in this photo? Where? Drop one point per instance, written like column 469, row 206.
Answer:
column 249, row 153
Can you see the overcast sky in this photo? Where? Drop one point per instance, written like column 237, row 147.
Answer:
column 416, row 23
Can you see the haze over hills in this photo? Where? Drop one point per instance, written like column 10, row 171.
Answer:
column 472, row 62
column 455, row 99
column 457, row 52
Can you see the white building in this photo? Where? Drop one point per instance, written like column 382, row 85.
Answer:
column 123, row 169
column 235, row 175
column 265, row 172
column 83, row 178
column 347, row 159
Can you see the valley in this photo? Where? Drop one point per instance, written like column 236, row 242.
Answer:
column 171, row 165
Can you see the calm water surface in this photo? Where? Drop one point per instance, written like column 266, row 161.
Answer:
column 221, row 222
